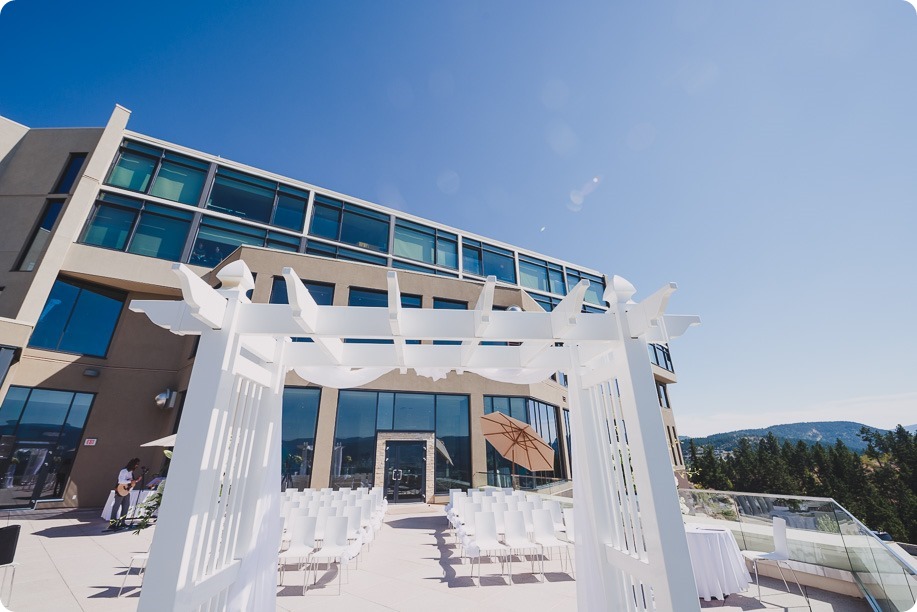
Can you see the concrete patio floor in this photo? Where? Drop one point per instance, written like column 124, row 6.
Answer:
column 67, row 562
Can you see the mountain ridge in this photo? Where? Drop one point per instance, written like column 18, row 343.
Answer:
column 824, row 432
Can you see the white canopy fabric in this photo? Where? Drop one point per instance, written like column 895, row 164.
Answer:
column 167, row 441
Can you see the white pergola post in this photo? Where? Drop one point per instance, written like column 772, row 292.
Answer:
column 216, row 543
column 220, row 507
column 624, row 491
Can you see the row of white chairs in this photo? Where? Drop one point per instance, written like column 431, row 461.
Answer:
column 516, row 539
column 314, row 532
column 461, row 505
column 512, row 515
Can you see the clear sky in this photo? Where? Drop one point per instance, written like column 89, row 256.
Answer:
column 762, row 154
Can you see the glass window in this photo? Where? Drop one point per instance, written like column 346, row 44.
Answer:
column 45, row 427
column 348, row 223
column 533, row 274
column 421, row 243
column 111, row 223
column 446, row 251
column 282, row 242
column 548, row 303
column 499, row 263
column 663, row 395
column 365, row 229
column 217, row 238
column 322, row 293
column 413, row 243
column 568, row 435
column 368, row 297
column 70, row 173
column 326, row 218
column 386, row 407
column 594, row 294
column 77, row 319
column 556, row 280
column 297, row 439
column 452, row 467
column 11, row 409
column 133, row 171
column 414, row 412
column 179, row 183
column 242, row 196
column 44, row 415
column 41, row 236
column 471, row 257
column 161, row 232
column 353, row 456
column 291, row 211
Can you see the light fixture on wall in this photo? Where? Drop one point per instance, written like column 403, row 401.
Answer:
column 166, row 399
column 91, row 372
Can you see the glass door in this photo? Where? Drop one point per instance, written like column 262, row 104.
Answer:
column 405, row 471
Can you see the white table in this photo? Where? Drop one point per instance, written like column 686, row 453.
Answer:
column 138, row 496
column 719, row 568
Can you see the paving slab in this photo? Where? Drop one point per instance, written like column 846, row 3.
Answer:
column 68, row 562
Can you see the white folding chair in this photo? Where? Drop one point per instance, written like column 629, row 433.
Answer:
column 302, row 545
column 568, row 523
column 485, row 543
column 519, row 543
column 780, row 554
column 544, row 534
column 335, row 549
column 140, row 559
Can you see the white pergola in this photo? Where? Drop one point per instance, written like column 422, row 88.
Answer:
column 215, row 546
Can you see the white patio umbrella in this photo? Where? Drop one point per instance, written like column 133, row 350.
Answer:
column 167, row 441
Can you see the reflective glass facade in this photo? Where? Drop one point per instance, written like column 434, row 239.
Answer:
column 41, row 235
column 361, row 414
column 77, row 319
column 335, row 228
column 136, row 226
column 40, row 433
column 297, row 436
column 160, row 173
column 544, row 420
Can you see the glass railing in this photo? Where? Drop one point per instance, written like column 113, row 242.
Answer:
column 820, row 532
column 528, row 482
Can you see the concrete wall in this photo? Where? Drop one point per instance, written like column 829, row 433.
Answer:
column 29, row 174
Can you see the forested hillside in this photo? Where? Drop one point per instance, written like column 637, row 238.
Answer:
column 878, row 486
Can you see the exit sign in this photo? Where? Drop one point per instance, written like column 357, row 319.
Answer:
column 90, row 441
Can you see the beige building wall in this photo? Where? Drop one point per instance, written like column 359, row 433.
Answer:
column 144, row 360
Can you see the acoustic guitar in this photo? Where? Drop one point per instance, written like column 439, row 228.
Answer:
column 124, row 489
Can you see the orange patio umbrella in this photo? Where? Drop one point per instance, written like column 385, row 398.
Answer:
column 518, row 442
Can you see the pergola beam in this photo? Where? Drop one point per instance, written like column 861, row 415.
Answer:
column 215, row 544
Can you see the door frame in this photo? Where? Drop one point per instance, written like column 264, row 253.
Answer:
column 429, row 438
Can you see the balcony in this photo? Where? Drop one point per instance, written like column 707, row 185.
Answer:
column 829, row 548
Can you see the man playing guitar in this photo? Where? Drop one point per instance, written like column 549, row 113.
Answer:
column 122, row 504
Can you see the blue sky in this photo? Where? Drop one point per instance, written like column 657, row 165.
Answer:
column 761, row 154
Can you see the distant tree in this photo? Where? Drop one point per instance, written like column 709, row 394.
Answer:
column 742, row 467
column 710, row 471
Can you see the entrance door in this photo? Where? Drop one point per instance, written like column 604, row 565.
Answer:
column 405, row 471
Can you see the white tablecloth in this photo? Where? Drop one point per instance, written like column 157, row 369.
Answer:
column 137, row 497
column 719, row 568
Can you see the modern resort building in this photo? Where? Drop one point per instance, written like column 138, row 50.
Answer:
column 93, row 218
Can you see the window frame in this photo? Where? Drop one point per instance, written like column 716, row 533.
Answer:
column 120, row 202
column 82, row 285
